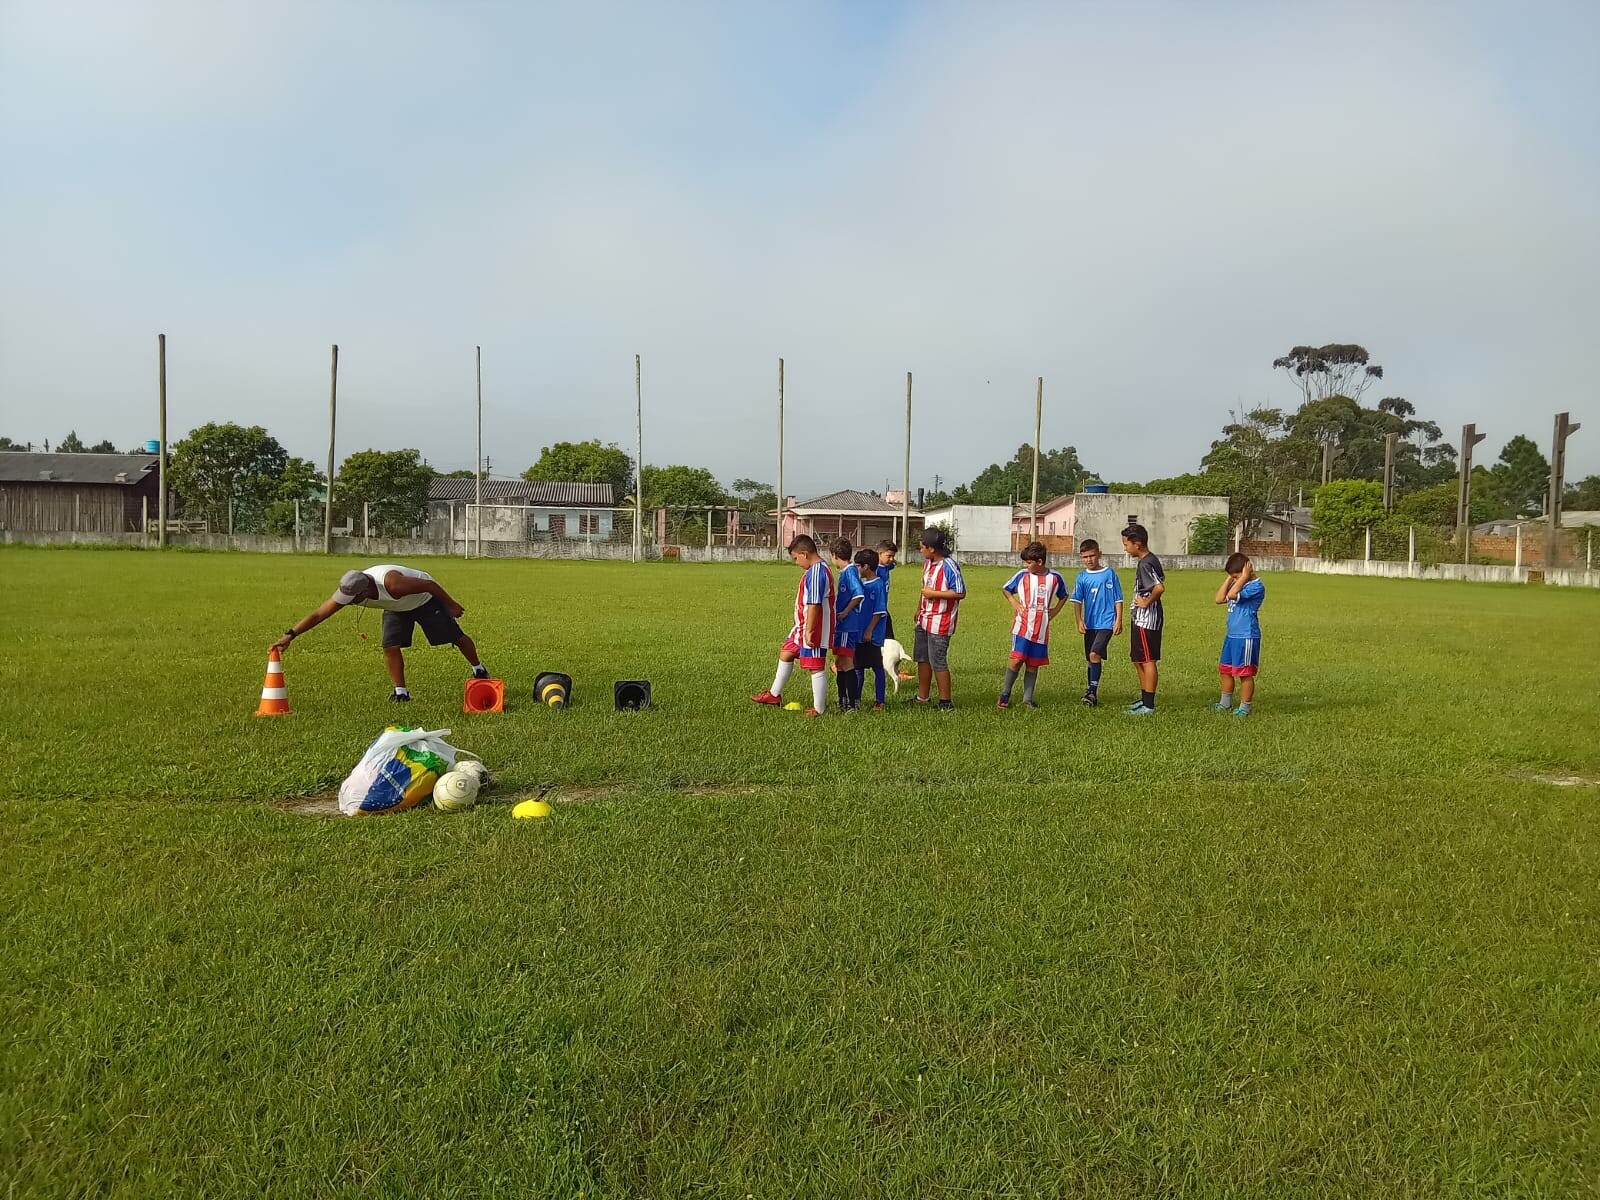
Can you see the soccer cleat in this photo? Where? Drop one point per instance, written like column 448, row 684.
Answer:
column 811, row 712
column 766, row 698
column 399, row 697
column 947, row 706
column 880, row 706
column 480, row 672
column 1029, row 704
column 1136, row 706
column 1242, row 711
column 1090, row 700
column 1139, row 710
column 1003, row 702
column 1219, row 706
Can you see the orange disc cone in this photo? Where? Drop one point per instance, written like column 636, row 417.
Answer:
column 274, row 696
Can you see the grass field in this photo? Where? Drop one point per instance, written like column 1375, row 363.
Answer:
column 1346, row 947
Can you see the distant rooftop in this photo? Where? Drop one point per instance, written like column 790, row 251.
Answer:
column 18, row 466
column 523, row 491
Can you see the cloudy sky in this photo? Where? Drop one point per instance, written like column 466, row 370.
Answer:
column 1145, row 203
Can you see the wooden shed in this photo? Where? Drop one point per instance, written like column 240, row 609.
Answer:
column 84, row 493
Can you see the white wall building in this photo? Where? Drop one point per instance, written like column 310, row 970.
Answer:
column 976, row 526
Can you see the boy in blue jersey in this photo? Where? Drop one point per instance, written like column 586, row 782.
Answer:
column 887, row 550
column 875, row 607
column 1243, row 593
column 848, row 622
column 1097, row 601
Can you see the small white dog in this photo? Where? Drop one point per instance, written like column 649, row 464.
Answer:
column 894, row 654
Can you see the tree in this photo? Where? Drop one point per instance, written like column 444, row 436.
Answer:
column 1209, row 534
column 1332, row 370
column 107, row 446
column 758, row 499
column 1060, row 473
column 1583, row 496
column 218, row 465
column 7, row 444
column 681, row 487
column 463, row 473
column 392, row 485
column 71, row 444
column 1342, row 512
column 584, row 462
column 1257, row 464
column 1523, row 476
column 300, row 481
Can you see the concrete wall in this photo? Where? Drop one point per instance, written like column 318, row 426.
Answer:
column 511, row 522
column 1104, row 516
column 977, row 526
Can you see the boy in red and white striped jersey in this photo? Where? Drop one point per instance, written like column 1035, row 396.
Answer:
column 1037, row 594
column 942, row 590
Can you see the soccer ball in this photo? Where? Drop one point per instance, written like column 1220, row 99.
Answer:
column 471, row 766
column 455, row 791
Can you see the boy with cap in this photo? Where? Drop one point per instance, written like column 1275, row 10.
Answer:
column 408, row 598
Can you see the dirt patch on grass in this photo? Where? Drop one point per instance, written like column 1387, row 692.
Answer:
column 326, row 804
column 323, row 805
column 1566, row 780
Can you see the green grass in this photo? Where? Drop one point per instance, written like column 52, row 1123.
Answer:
column 1343, row 948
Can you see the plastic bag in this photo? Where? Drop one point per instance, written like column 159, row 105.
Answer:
column 397, row 771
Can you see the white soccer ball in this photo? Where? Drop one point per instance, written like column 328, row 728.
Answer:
column 476, row 769
column 455, row 791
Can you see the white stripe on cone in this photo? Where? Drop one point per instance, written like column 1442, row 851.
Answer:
column 274, row 693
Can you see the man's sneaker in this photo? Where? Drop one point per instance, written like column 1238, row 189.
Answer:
column 1029, row 704
column 399, row 697
column 880, row 706
column 766, row 698
column 1219, row 706
column 811, row 712
column 1139, row 710
column 1003, row 702
column 1242, row 711
column 947, row 706
column 1090, row 700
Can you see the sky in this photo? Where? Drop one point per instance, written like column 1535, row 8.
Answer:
column 1144, row 203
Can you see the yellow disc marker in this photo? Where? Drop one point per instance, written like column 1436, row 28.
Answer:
column 531, row 808
column 792, row 706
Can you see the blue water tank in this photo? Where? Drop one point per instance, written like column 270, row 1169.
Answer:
column 153, row 446
column 1096, row 489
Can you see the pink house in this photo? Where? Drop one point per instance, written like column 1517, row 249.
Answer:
column 859, row 516
column 1055, row 518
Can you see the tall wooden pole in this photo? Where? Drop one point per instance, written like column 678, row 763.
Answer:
column 1389, row 443
column 783, row 503
column 333, row 415
column 477, row 472
column 161, row 467
column 638, row 466
column 1038, row 420
column 1565, row 427
column 1470, row 437
column 905, row 499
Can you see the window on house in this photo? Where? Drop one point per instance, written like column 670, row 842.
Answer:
column 558, row 525
column 588, row 522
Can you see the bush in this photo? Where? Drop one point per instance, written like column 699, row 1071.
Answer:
column 1342, row 513
column 1209, row 534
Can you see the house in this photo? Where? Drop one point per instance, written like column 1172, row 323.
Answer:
column 85, row 493
column 863, row 518
column 520, row 510
column 975, row 526
column 1102, row 516
column 1291, row 525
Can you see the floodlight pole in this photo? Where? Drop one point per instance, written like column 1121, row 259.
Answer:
column 783, row 504
column 333, row 415
column 477, row 472
column 1038, row 418
column 638, row 466
column 1470, row 437
column 905, row 498
column 161, row 466
column 1389, row 442
column 1565, row 428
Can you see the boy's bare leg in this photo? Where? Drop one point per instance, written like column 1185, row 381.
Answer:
column 1247, row 689
column 924, row 679
column 944, row 684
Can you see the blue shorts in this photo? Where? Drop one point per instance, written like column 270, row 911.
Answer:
column 1034, row 654
column 846, row 639
column 1241, row 657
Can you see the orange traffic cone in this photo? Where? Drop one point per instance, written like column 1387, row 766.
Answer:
column 274, row 696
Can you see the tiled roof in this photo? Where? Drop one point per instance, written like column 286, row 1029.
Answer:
column 848, row 501
column 522, row 491
column 22, row 467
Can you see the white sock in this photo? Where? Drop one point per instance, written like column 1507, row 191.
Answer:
column 785, row 669
column 819, row 691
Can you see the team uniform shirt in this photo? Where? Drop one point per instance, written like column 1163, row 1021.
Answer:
column 849, row 624
column 1036, row 594
column 1099, row 592
column 938, row 617
column 395, row 603
column 816, row 587
column 1146, row 575
column 876, row 603
column 1241, row 648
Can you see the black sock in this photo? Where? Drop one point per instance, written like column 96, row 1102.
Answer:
column 1028, row 680
column 1148, row 699
column 1008, row 683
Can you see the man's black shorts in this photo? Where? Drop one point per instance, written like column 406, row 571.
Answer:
column 1145, row 644
column 437, row 623
column 868, row 655
column 1096, row 641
